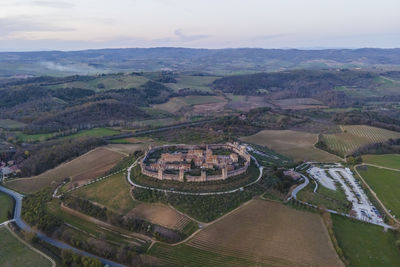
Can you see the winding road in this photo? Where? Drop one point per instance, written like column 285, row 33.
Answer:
column 18, row 220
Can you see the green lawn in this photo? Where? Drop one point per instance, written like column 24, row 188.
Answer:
column 15, row 253
column 386, row 184
column 6, row 204
column 95, row 132
column 365, row 244
column 29, row 138
column 184, row 255
column 387, row 160
column 335, row 200
column 112, row 192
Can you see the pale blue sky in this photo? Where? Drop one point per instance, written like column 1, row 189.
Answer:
column 82, row 24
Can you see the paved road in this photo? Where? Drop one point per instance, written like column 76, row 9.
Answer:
column 18, row 220
column 261, row 168
column 299, row 187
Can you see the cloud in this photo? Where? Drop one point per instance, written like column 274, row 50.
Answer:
column 188, row 38
column 14, row 24
column 53, row 4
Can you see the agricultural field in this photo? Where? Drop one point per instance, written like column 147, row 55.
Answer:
column 15, row 253
column 385, row 183
column 294, row 144
column 161, row 214
column 299, row 103
column 82, row 169
column 184, row 255
column 176, row 103
column 353, row 137
column 7, row 205
column 387, row 160
column 11, row 124
column 193, row 82
column 270, row 233
column 365, row 244
column 108, row 82
column 112, row 193
column 246, row 103
column 95, row 132
column 31, row 138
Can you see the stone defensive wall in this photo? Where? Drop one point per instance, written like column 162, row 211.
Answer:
column 161, row 175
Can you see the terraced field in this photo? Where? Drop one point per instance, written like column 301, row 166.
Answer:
column 353, row 137
column 86, row 167
column 270, row 233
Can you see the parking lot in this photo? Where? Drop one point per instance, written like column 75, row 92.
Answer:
column 362, row 208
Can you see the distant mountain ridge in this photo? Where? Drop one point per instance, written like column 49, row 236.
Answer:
column 222, row 61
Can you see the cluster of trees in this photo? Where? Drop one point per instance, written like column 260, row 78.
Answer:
column 71, row 259
column 391, row 146
column 35, row 214
column 297, row 83
column 47, row 155
column 86, row 207
column 388, row 119
column 203, row 208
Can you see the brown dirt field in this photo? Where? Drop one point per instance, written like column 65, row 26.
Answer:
column 82, row 169
column 299, row 103
column 208, row 109
column 130, row 148
column 245, row 103
column 272, row 234
column 295, row 144
column 160, row 214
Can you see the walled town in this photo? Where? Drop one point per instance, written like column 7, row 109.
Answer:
column 186, row 159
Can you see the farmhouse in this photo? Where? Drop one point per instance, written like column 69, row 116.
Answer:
column 229, row 159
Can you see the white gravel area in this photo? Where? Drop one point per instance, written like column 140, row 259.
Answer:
column 320, row 176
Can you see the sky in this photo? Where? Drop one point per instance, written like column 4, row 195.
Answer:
column 28, row 25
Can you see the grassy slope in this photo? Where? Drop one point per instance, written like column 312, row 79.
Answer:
column 386, row 184
column 388, row 160
column 6, row 204
column 365, row 244
column 112, row 193
column 14, row 253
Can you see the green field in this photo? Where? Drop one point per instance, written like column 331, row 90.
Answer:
column 106, row 83
column 386, row 184
column 29, row 138
column 112, row 192
column 15, row 253
column 353, row 137
column 324, row 197
column 6, row 205
column 184, row 255
column 365, row 244
column 193, row 82
column 95, row 132
column 11, row 124
column 387, row 160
